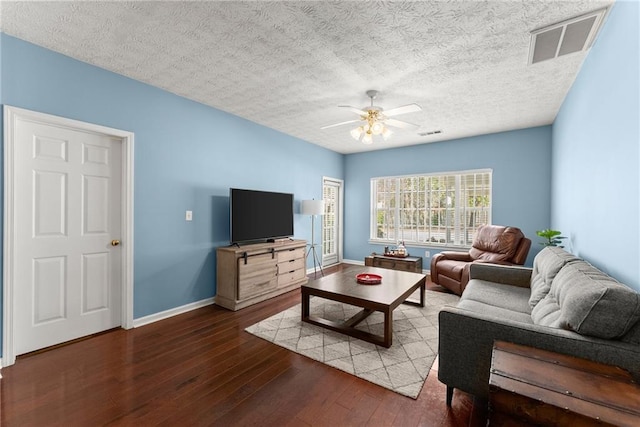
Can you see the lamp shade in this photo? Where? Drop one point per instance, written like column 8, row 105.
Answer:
column 312, row 207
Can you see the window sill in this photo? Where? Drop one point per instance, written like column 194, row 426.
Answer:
column 439, row 247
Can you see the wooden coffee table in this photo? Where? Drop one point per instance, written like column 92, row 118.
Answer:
column 394, row 290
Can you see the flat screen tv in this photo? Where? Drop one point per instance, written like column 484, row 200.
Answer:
column 260, row 215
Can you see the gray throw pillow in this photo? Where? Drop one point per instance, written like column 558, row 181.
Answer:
column 546, row 266
column 587, row 301
column 547, row 312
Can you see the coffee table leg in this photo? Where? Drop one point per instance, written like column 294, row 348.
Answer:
column 305, row 304
column 388, row 327
column 421, row 287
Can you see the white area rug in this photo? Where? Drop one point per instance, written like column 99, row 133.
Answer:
column 402, row 368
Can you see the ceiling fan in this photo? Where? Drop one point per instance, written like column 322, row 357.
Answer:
column 375, row 120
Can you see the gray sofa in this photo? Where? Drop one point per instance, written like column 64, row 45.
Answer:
column 563, row 304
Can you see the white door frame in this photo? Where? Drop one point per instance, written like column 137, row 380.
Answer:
column 11, row 116
column 340, row 214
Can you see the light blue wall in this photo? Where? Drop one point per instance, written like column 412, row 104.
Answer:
column 1, row 70
column 595, row 192
column 521, row 163
column 1, row 187
column 187, row 155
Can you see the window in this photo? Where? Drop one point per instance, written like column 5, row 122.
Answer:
column 443, row 209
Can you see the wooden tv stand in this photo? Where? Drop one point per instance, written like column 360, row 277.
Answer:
column 248, row 274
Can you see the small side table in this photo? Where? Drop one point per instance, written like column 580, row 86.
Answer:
column 412, row 264
column 529, row 386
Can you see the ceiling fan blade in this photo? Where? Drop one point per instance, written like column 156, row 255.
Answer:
column 340, row 124
column 410, row 108
column 400, row 124
column 354, row 109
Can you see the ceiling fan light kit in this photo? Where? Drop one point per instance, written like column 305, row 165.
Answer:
column 376, row 121
column 357, row 132
column 376, row 128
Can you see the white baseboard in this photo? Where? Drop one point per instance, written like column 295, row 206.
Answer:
column 0, row 367
column 172, row 312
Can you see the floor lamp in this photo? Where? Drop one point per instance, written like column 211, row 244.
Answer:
column 313, row 208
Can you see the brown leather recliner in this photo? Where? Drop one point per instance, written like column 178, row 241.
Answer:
column 493, row 244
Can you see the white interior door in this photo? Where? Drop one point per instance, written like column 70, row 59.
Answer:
column 331, row 221
column 67, row 224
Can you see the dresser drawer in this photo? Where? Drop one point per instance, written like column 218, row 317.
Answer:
column 388, row 263
column 288, row 255
column 404, row 266
column 290, row 277
column 291, row 265
column 412, row 264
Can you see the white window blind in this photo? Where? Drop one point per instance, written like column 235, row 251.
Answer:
column 443, row 209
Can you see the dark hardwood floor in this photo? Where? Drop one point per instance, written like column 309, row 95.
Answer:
column 201, row 368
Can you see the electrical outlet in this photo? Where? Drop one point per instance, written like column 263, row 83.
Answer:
column 188, row 216
column 427, row 254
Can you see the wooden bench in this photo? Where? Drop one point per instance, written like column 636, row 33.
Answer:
column 529, row 386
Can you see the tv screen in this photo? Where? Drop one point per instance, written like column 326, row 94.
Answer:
column 260, row 215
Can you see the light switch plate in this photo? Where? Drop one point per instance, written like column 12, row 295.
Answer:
column 188, row 216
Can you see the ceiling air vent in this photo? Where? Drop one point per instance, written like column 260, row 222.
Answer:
column 433, row 132
column 573, row 35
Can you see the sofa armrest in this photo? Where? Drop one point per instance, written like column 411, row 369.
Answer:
column 466, row 342
column 455, row 256
column 504, row 274
column 495, row 262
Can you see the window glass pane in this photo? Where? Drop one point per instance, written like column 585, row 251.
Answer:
column 441, row 209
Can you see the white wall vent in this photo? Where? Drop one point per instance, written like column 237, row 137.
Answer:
column 573, row 35
column 432, row 132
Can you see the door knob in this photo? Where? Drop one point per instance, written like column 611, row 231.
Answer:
column 115, row 242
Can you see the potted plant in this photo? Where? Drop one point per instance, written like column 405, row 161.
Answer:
column 553, row 237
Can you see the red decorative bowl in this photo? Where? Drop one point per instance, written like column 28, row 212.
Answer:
column 369, row 279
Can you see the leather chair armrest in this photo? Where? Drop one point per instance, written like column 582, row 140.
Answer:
column 455, row 256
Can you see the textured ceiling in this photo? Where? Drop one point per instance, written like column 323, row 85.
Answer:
column 289, row 64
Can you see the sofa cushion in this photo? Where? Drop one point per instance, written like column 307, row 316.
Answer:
column 495, row 243
column 587, row 301
column 546, row 266
column 494, row 294
column 494, row 311
column 633, row 336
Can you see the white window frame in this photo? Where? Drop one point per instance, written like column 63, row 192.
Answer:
column 458, row 208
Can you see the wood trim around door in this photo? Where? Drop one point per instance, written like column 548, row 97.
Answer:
column 11, row 114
